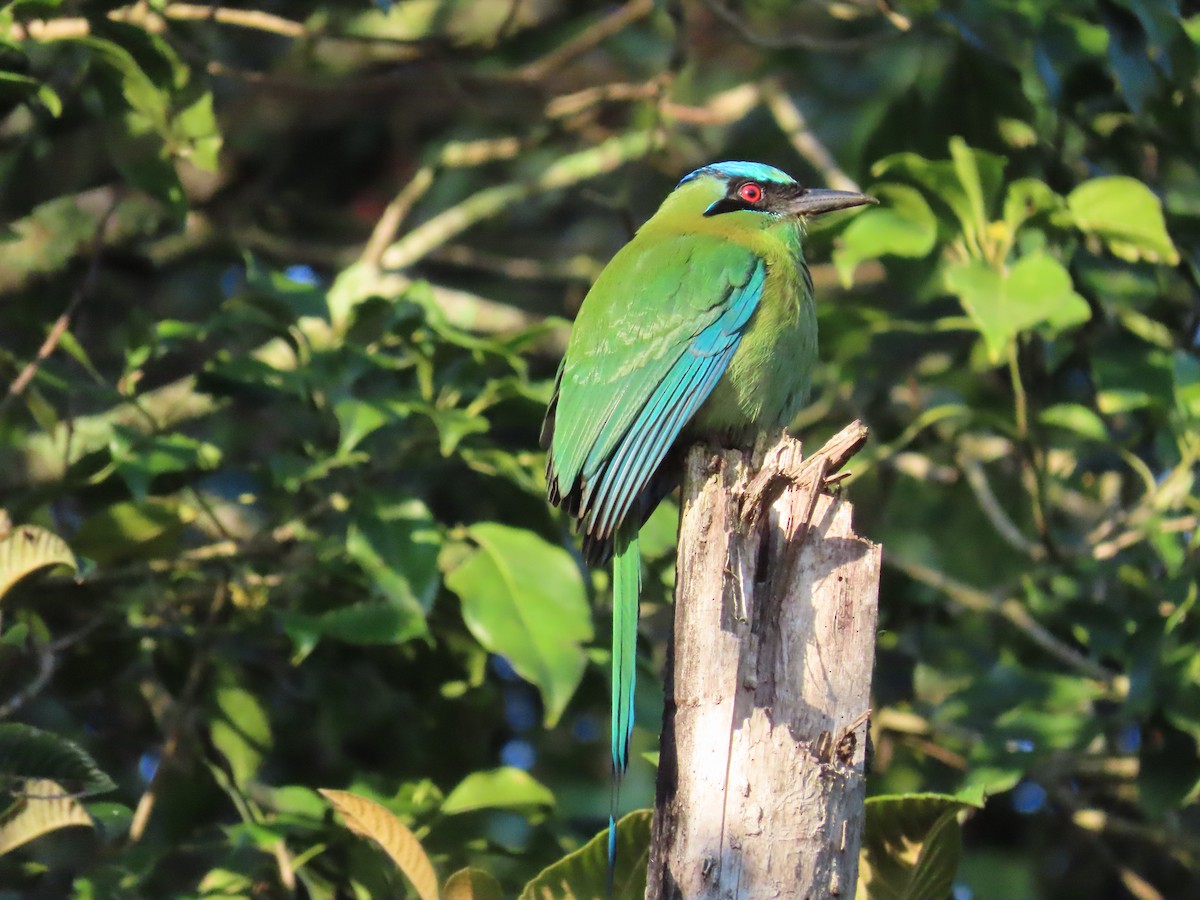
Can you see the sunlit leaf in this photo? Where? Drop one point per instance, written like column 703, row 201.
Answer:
column 40, row 806
column 28, row 548
column 472, row 884
column 397, row 544
column 902, row 225
column 1035, row 292
column 1076, row 418
column 502, row 788
column 240, row 730
column 1126, row 215
column 523, row 598
column 583, row 875
column 1026, row 198
column 128, row 530
column 368, row 819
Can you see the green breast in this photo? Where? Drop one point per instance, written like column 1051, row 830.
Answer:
column 769, row 377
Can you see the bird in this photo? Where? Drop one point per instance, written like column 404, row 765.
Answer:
column 702, row 327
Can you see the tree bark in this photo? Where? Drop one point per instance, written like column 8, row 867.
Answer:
column 762, row 768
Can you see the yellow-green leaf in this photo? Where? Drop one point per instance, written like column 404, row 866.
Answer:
column 41, row 806
column 1126, row 215
column 583, row 875
column 368, row 819
column 502, row 788
column 27, row 549
column 523, row 598
column 472, row 884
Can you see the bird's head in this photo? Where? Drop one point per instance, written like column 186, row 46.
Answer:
column 727, row 187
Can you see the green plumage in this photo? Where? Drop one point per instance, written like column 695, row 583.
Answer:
column 701, row 327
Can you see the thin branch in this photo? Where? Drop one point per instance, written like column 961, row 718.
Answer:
column 792, row 123
column 81, row 292
column 586, row 40
column 489, row 202
column 1009, row 609
column 999, row 519
column 394, row 215
column 47, row 661
column 796, row 39
column 176, row 720
column 252, row 19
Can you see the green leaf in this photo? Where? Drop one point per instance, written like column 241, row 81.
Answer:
column 28, row 752
column 1035, row 292
column 911, row 847
column 1026, row 198
column 1186, row 371
column 129, row 530
column 1126, row 215
column 502, row 788
column 41, row 806
column 396, row 543
column 980, row 175
column 583, row 875
column 1076, row 418
column 472, row 884
column 370, row 622
column 524, row 599
column 21, row 87
column 27, row 549
column 240, row 730
column 902, row 225
column 139, row 458
column 968, row 183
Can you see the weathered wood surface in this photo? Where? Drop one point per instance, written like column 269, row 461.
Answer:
column 761, row 776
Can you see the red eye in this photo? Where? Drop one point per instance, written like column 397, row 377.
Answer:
column 750, row 192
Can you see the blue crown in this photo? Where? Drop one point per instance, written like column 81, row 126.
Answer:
column 753, row 171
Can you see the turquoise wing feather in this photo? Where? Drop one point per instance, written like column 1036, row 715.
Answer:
column 654, row 338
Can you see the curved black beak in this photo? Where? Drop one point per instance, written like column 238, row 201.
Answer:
column 815, row 201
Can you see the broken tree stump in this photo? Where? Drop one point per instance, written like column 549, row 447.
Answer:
column 762, row 768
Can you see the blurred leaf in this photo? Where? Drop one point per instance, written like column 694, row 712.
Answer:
column 142, row 458
column 583, row 875
column 523, row 598
column 28, row 548
column 1126, row 215
column 240, row 730
column 1035, row 292
column 911, row 847
column 41, row 806
column 472, row 884
column 129, row 530
column 14, row 87
column 1026, row 198
column 502, row 788
column 112, row 819
column 980, row 175
column 903, row 225
column 968, row 183
column 367, row 622
column 397, row 543
column 30, row 753
column 1169, row 769
column 1076, row 418
column 368, row 819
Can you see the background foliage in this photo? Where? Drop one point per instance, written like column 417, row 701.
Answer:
column 280, row 288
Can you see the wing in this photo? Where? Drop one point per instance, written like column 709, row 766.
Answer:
column 652, row 339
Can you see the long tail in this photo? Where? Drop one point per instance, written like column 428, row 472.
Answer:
column 627, row 586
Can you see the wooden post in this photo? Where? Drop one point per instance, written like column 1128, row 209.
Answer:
column 761, row 777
